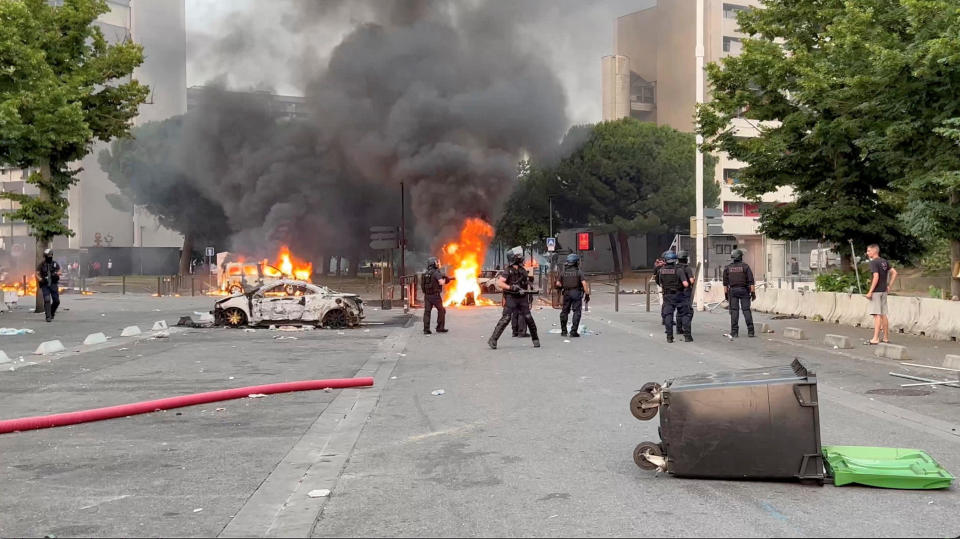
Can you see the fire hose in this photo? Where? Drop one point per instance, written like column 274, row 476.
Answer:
column 123, row 410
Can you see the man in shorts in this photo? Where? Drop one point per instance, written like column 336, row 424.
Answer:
column 877, row 295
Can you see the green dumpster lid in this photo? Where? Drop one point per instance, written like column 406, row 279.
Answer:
column 885, row 467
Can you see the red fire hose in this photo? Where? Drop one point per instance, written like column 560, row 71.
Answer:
column 123, row 410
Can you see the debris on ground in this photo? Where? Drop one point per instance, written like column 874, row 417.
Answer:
column 219, row 409
column 249, row 330
column 328, row 389
column 566, row 340
column 437, row 392
column 284, row 338
column 257, row 395
column 198, row 509
column 186, row 321
column 14, row 331
column 728, row 336
column 161, row 335
column 319, row 493
column 555, row 331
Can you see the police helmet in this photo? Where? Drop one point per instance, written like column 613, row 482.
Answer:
column 670, row 257
column 433, row 263
column 516, row 259
column 683, row 257
column 573, row 259
column 48, row 252
column 737, row 255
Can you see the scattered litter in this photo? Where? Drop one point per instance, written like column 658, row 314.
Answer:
column 231, row 378
column 249, row 330
column 203, row 317
column 341, row 333
column 198, row 509
column 437, row 392
column 402, row 355
column 328, row 389
column 728, row 336
column 555, row 331
column 220, row 409
column 14, row 331
column 366, row 331
column 159, row 325
column 566, row 340
column 319, row 493
column 651, row 334
column 552, row 516
column 393, row 377
column 290, row 328
column 272, row 327
column 285, row 338
column 835, row 347
column 122, row 349
column 156, row 310
column 102, row 314
column 161, row 335
column 256, row 395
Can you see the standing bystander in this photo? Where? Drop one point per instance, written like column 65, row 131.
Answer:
column 881, row 270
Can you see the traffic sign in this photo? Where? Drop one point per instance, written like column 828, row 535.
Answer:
column 551, row 244
column 383, row 229
column 211, row 252
column 383, row 236
column 383, row 244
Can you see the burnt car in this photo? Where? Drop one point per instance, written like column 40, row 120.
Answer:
column 290, row 302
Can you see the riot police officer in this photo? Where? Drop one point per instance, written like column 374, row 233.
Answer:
column 48, row 278
column 517, row 322
column 512, row 282
column 573, row 285
column 431, row 282
column 673, row 280
column 739, row 286
column 683, row 261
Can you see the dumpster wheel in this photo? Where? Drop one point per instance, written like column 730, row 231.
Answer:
column 637, row 406
column 643, row 451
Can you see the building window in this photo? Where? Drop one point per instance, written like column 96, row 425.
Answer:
column 732, row 45
column 731, row 176
column 730, row 11
column 733, row 208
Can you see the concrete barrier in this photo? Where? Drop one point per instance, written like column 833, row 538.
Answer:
column 891, row 351
column 928, row 316
column 49, row 347
column 765, row 328
column 787, row 302
column 766, row 299
column 160, row 325
column 904, row 314
column 796, row 334
column 840, row 341
column 951, row 361
column 806, row 305
column 948, row 320
column 130, row 331
column 852, row 309
column 824, row 305
column 95, row 338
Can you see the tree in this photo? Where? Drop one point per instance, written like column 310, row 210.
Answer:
column 800, row 76
column 633, row 177
column 61, row 88
column 144, row 168
column 525, row 217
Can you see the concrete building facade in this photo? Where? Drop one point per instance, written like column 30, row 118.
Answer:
column 652, row 77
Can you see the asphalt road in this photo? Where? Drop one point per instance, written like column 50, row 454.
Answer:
column 523, row 441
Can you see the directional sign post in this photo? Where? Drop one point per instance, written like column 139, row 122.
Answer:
column 384, row 237
column 551, row 244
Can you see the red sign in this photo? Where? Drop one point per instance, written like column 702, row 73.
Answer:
column 584, row 241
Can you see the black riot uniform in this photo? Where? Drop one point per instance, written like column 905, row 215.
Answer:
column 433, row 297
column 686, row 320
column 672, row 280
column 517, row 323
column 48, row 278
column 515, row 301
column 571, row 285
column 739, row 284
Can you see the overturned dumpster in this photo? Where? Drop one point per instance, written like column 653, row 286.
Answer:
column 764, row 423
column 749, row 424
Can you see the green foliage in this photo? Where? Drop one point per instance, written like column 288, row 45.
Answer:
column 935, row 292
column 61, row 87
column 806, row 80
column 936, row 256
column 838, row 281
column 627, row 176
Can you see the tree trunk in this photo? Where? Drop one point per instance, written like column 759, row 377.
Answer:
column 43, row 242
column 339, row 264
column 955, row 268
column 354, row 263
column 846, row 262
column 624, row 241
column 186, row 254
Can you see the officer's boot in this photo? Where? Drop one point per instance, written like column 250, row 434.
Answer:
column 669, row 337
column 563, row 326
column 750, row 332
column 532, row 327
column 687, row 337
column 497, row 331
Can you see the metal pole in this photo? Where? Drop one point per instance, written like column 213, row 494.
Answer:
column 403, row 242
column 853, row 260
column 701, row 228
column 646, row 286
column 193, row 286
column 616, row 296
column 550, row 200
column 123, row 285
column 159, row 283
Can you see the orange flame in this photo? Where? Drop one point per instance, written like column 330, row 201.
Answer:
column 288, row 266
column 465, row 258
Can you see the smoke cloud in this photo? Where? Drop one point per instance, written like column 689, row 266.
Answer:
column 444, row 97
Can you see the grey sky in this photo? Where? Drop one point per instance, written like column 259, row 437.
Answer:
column 572, row 34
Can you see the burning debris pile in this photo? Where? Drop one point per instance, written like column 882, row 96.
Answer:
column 465, row 258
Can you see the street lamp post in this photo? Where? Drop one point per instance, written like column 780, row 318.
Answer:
column 701, row 228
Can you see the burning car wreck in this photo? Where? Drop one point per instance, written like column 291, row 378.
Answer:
column 290, row 302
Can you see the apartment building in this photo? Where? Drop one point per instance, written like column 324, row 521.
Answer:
column 652, row 77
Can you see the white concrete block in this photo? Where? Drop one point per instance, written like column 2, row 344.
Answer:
column 891, row 351
column 951, row 361
column 160, row 325
column 49, row 347
column 840, row 341
column 3, row 357
column 95, row 338
column 765, row 328
column 796, row 334
column 130, row 331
